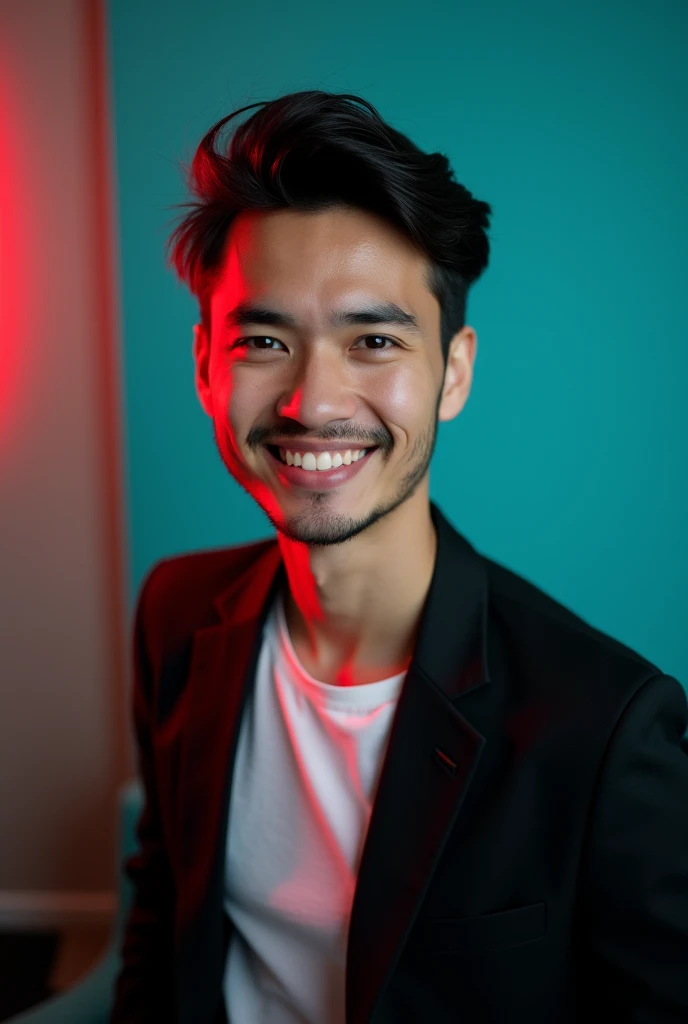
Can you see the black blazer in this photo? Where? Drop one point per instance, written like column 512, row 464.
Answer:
column 527, row 855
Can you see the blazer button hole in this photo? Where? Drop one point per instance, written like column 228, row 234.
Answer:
column 446, row 762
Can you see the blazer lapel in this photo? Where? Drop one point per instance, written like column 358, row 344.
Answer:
column 431, row 758
column 222, row 671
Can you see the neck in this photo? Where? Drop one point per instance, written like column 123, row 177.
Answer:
column 353, row 609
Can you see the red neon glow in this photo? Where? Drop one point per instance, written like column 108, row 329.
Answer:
column 17, row 235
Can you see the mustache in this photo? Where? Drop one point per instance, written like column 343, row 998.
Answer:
column 264, row 435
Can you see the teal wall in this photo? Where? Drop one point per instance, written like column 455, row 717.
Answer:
column 569, row 462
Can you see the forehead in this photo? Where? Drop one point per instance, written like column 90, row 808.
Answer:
column 311, row 262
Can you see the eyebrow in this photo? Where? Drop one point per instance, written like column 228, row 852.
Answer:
column 385, row 313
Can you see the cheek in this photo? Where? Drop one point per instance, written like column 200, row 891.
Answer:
column 403, row 398
column 242, row 404
column 226, row 410
column 400, row 397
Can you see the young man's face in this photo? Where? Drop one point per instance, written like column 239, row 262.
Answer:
column 318, row 380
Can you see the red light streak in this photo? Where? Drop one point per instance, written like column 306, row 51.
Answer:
column 18, row 234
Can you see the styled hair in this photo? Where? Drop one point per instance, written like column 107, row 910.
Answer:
column 315, row 150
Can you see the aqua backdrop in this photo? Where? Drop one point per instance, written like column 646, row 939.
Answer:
column 568, row 463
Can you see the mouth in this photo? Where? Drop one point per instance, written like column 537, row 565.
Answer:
column 316, row 479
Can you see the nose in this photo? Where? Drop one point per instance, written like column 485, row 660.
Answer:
column 319, row 392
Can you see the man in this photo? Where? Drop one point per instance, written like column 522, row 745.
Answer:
column 386, row 779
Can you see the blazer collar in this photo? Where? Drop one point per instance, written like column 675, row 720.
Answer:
column 437, row 735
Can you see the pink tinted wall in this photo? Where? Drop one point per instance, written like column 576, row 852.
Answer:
column 63, row 638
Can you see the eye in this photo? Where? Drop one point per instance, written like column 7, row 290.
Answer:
column 379, row 337
column 243, row 342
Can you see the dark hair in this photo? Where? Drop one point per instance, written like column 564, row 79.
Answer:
column 312, row 150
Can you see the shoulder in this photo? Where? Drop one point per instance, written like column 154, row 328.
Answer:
column 546, row 635
column 583, row 682
column 177, row 594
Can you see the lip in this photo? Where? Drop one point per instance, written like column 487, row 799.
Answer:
column 317, row 480
column 318, row 446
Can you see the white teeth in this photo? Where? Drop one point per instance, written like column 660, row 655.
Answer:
column 312, row 461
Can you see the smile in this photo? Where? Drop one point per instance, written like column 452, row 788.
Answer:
column 313, row 473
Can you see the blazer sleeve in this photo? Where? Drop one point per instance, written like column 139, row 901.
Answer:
column 635, row 869
column 144, row 987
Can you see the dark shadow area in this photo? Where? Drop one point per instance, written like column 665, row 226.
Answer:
column 26, row 960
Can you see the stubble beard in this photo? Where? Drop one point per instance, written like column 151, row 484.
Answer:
column 317, row 526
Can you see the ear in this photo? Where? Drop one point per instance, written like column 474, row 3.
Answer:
column 201, row 354
column 458, row 375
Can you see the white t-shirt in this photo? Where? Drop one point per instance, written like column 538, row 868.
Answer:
column 307, row 766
